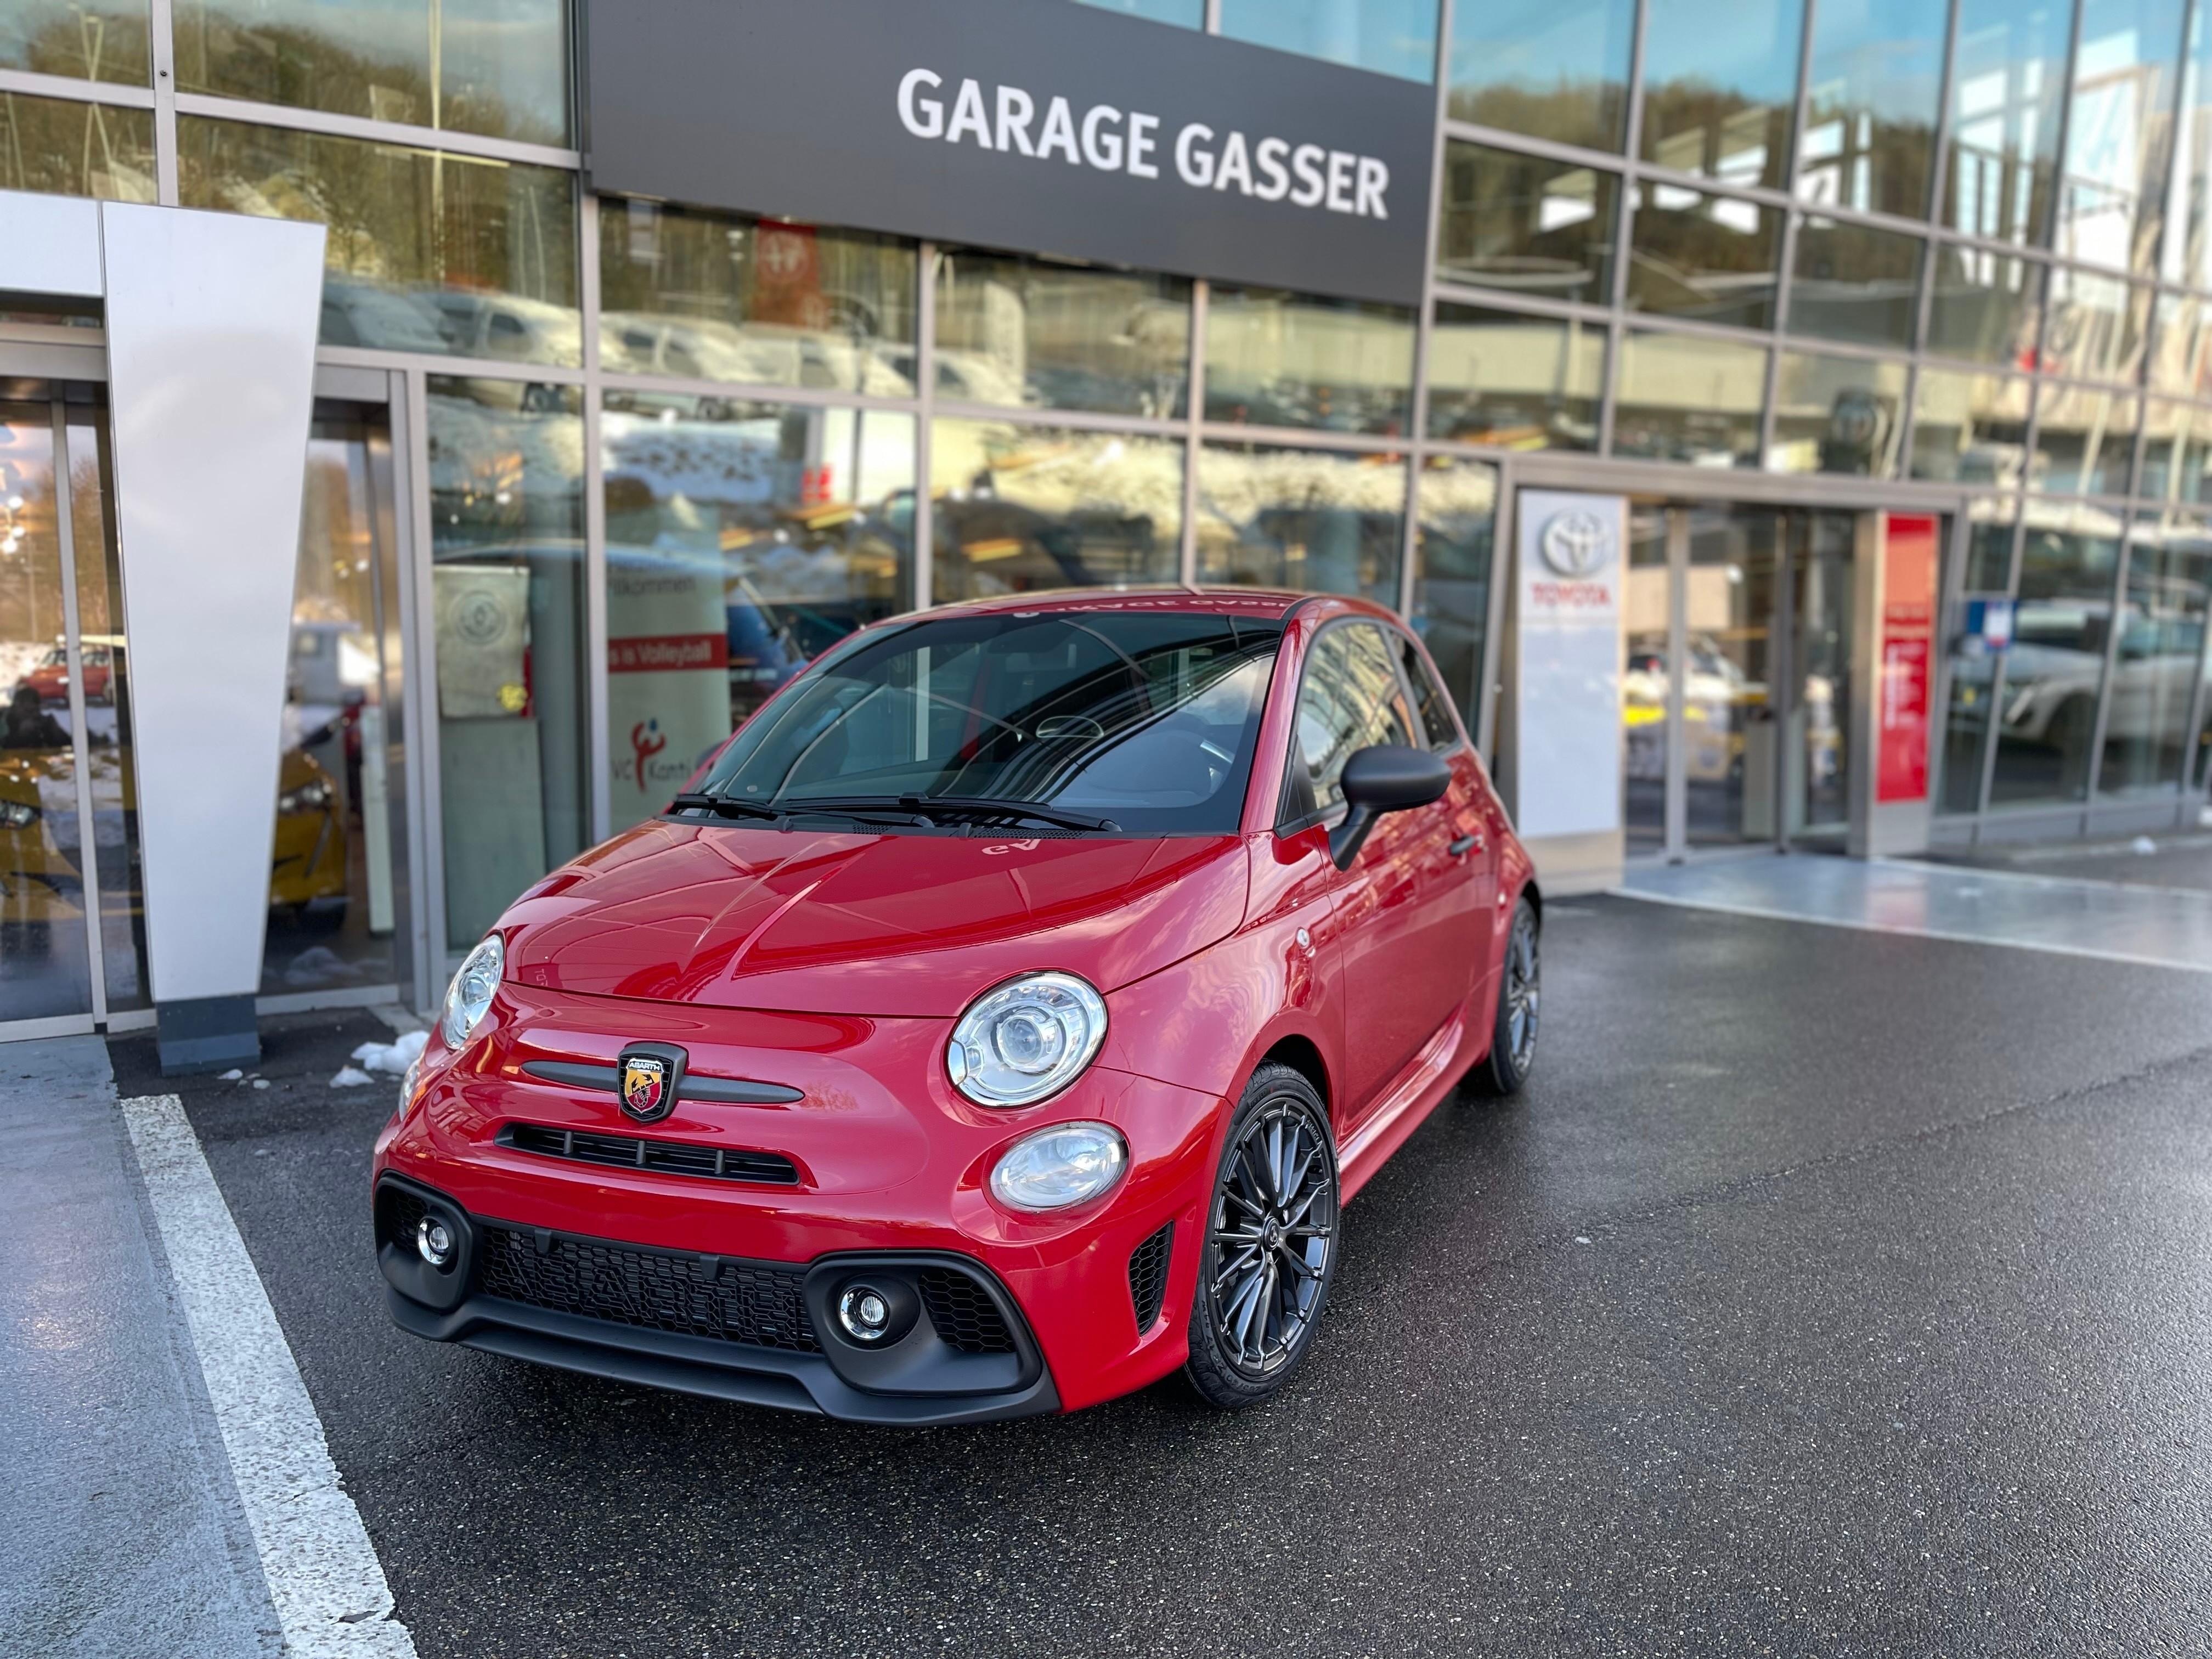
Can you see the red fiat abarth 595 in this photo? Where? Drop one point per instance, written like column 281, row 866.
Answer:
column 1000, row 1021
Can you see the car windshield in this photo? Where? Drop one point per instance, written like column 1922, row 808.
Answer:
column 1135, row 722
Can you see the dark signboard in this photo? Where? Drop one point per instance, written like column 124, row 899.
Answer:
column 1037, row 125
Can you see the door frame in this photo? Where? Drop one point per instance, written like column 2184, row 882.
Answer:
column 1783, row 655
column 403, row 696
column 55, row 355
column 1675, row 846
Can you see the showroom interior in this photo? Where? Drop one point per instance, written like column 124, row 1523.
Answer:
column 589, row 475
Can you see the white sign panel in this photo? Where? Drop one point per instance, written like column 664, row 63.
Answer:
column 1570, row 552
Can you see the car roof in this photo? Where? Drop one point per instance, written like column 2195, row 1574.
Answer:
column 1202, row 601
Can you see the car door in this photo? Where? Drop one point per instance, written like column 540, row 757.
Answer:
column 1402, row 977
column 1459, row 838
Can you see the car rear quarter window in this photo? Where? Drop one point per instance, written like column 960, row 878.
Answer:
column 1430, row 703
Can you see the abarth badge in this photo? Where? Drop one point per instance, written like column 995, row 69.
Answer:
column 644, row 1081
column 648, row 1078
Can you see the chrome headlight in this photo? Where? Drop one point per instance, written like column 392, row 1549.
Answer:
column 1030, row 1037
column 468, row 999
column 1059, row 1168
column 17, row 815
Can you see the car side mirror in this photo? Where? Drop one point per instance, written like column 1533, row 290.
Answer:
column 1385, row 777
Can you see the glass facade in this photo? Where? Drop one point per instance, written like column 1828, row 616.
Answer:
column 82, row 42
column 701, row 296
column 496, row 67
column 1515, row 381
column 1020, row 508
column 1395, row 37
column 1960, row 248
column 507, row 594
column 1720, row 88
column 1549, row 70
column 428, row 251
column 1871, row 91
column 742, row 539
column 1033, row 333
column 58, row 147
column 1273, row 516
column 1275, row 359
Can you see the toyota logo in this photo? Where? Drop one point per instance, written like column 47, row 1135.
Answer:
column 1576, row 542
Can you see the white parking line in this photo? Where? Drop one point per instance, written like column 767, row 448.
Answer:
column 1903, row 930
column 328, row 1587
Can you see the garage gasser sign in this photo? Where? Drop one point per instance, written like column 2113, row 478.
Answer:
column 1019, row 123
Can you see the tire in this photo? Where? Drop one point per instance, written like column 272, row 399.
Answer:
column 1520, row 993
column 1259, row 1302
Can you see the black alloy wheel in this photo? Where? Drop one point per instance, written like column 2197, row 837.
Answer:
column 1271, row 1243
column 1520, row 1000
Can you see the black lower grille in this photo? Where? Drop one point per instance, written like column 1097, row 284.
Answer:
column 965, row 1316
column 1148, row 1275
column 658, row 1156
column 399, row 1213
column 747, row 1302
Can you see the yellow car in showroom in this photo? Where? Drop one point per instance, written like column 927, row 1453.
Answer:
column 307, row 866
column 38, row 885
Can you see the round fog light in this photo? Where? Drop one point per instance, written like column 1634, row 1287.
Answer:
column 864, row 1312
column 434, row 1241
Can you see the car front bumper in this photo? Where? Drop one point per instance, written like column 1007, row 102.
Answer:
column 881, row 1163
column 760, row 1332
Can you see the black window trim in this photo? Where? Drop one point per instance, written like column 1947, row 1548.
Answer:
column 1460, row 739
column 1285, row 826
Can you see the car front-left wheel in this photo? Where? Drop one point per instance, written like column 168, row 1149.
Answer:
column 1271, row 1243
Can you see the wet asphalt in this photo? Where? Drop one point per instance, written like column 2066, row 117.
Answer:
column 1826, row 1293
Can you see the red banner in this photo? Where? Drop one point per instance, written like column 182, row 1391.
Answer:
column 1908, row 643
column 668, row 653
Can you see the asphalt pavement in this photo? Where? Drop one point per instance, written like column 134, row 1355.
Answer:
column 1827, row 1292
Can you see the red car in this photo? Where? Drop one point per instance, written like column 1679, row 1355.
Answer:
column 1000, row 1021
column 49, row 678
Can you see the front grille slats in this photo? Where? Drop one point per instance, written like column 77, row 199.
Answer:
column 660, row 1157
column 758, row 1303
column 961, row 1310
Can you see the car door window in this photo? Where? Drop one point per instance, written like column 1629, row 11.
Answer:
column 1348, row 699
column 1430, row 703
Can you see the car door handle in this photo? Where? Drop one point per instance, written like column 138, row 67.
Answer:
column 1461, row 845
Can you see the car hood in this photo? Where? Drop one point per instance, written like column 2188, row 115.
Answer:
column 866, row 924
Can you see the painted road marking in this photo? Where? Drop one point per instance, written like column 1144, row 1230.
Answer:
column 328, row 1587
column 1904, row 930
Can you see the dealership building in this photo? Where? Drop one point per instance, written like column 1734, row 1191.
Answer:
column 1785, row 421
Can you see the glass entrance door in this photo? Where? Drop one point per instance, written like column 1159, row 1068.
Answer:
column 1728, row 754
column 72, row 924
column 1736, row 688
column 338, row 901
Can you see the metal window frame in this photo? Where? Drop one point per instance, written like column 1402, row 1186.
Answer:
column 329, row 124
column 80, row 738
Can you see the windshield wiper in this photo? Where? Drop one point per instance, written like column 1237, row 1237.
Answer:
column 983, row 807
column 723, row 806
column 831, row 806
column 912, row 806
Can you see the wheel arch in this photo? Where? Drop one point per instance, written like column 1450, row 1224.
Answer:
column 1303, row 1055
